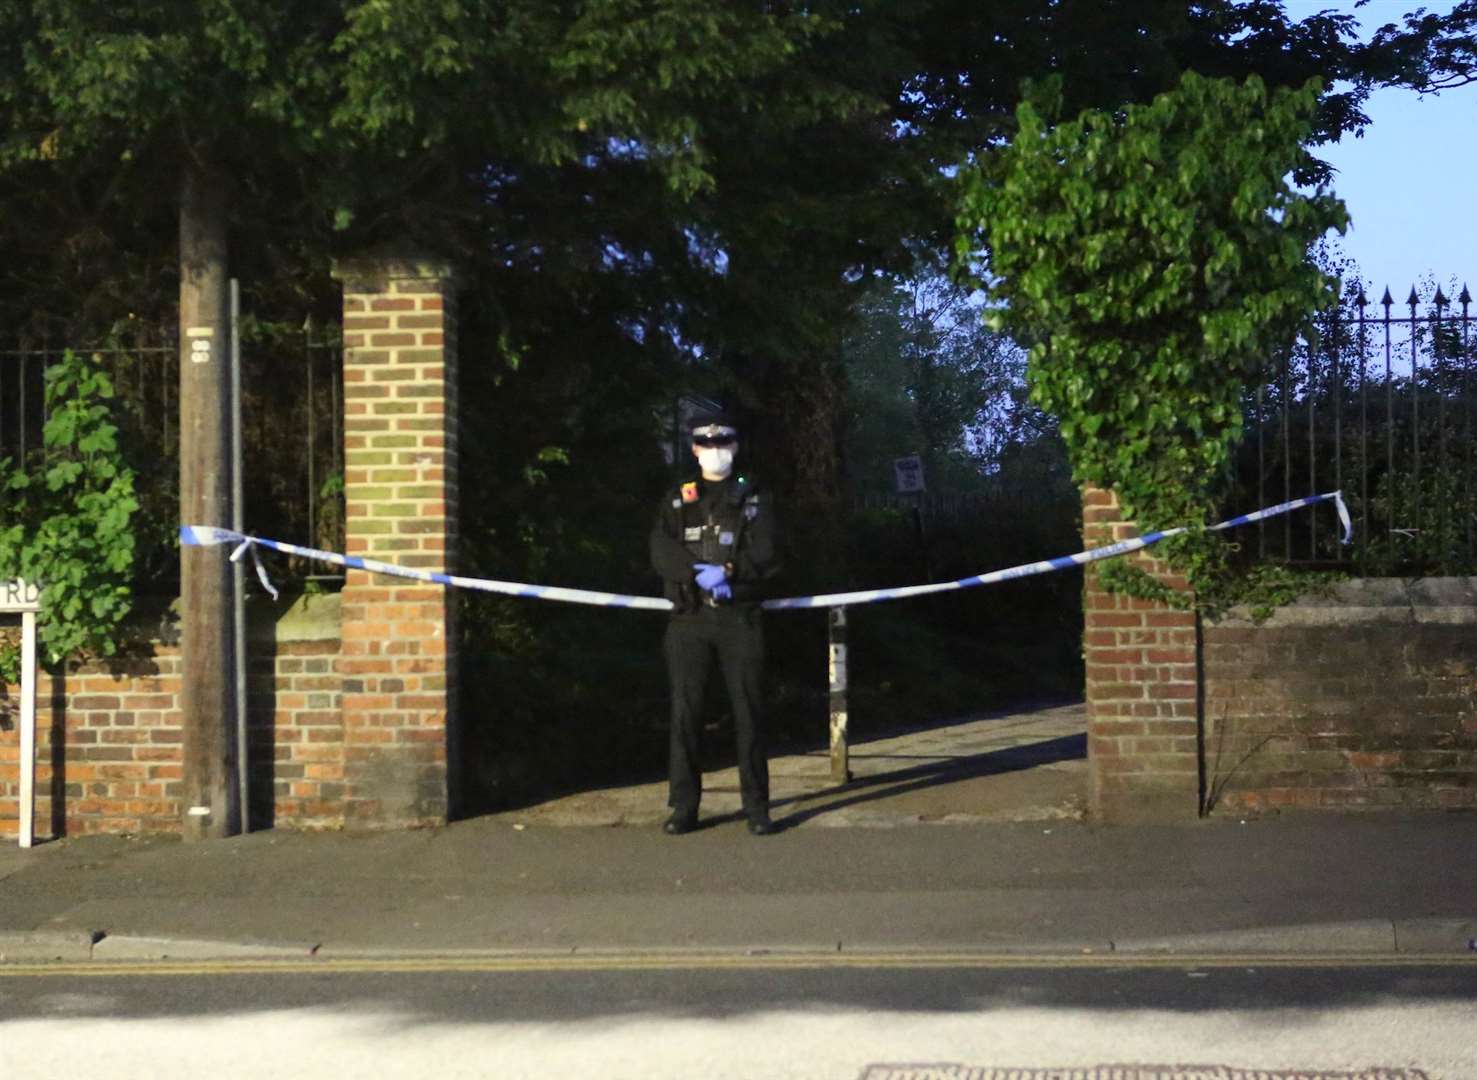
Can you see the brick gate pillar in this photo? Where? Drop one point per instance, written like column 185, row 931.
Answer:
column 400, row 487
column 1143, row 726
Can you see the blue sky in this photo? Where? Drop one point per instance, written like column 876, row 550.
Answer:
column 1408, row 183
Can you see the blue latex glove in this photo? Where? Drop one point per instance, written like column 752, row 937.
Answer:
column 709, row 576
column 722, row 591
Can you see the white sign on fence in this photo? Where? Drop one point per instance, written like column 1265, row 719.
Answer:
column 24, row 597
column 909, row 473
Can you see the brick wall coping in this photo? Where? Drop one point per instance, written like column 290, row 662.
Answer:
column 308, row 618
column 1445, row 600
column 369, row 273
column 154, row 620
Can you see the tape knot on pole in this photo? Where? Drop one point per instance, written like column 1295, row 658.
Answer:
column 249, row 544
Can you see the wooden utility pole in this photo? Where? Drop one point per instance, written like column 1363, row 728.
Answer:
column 210, row 804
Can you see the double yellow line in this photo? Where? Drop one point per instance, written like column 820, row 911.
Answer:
column 730, row 961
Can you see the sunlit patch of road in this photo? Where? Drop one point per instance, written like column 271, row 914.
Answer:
column 775, row 1023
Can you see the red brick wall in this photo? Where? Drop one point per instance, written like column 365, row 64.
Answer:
column 107, row 749
column 1142, row 725
column 400, row 476
column 109, row 737
column 296, row 734
column 1363, row 699
column 1366, row 699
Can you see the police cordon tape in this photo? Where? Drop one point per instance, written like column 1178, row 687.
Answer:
column 1064, row 562
column 208, row 535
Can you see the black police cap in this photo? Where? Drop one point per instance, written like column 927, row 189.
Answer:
column 713, row 425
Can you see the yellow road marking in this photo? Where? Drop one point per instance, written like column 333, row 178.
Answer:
column 759, row 961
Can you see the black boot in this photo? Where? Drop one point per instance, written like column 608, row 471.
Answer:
column 681, row 821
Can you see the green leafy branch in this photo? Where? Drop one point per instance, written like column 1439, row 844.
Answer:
column 1153, row 257
column 67, row 511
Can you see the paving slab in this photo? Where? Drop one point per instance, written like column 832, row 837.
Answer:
column 1017, row 765
column 1436, row 937
column 1356, row 936
column 132, row 947
column 31, row 946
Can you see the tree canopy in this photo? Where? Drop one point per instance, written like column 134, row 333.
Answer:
column 644, row 196
column 1153, row 258
column 737, row 162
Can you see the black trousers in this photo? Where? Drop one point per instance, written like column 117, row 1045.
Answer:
column 734, row 636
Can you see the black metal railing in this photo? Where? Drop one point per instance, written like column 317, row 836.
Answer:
column 1379, row 403
column 145, row 382
column 292, row 433
column 292, row 423
column 146, row 391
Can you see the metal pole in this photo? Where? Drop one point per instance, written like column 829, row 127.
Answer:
column 1415, row 417
column 1338, row 413
column 312, row 434
column 1363, row 536
column 1465, row 299
column 1439, row 378
column 28, row 728
column 164, row 381
column 1286, row 404
column 1311, row 389
column 1261, row 465
column 238, row 576
column 21, row 414
column 1390, row 483
column 836, row 641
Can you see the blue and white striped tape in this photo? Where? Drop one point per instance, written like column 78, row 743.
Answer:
column 209, row 535
column 1065, row 562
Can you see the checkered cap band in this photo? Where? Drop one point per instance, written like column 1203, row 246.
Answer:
column 714, row 431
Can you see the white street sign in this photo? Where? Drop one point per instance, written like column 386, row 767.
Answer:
column 909, row 473
column 25, row 597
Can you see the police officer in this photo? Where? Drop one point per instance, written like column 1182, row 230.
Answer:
column 714, row 546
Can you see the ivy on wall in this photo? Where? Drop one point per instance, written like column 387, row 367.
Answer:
column 1151, row 258
column 66, row 515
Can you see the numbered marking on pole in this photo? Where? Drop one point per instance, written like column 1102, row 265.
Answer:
column 200, row 343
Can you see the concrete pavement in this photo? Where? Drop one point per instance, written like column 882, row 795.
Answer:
column 958, row 840
column 1017, row 765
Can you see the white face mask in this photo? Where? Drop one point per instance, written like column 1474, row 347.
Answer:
column 715, row 461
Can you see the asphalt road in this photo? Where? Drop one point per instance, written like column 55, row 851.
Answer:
column 714, row 1016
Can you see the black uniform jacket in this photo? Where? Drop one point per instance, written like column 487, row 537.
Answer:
column 728, row 522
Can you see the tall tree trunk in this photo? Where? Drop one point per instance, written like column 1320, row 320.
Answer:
column 801, row 430
column 210, row 802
